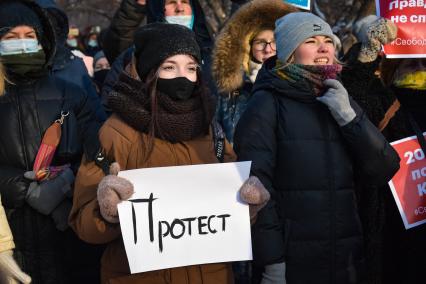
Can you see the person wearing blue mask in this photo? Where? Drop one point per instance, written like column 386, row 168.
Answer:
column 91, row 41
column 37, row 208
column 179, row 12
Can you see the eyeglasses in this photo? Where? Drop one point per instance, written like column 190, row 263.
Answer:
column 260, row 45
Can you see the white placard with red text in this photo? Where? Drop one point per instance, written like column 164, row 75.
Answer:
column 409, row 183
column 410, row 17
column 186, row 215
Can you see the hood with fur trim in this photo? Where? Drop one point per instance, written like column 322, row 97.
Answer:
column 231, row 54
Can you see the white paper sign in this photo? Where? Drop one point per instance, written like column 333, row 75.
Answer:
column 187, row 215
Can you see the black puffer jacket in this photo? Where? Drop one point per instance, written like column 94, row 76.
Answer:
column 67, row 66
column 27, row 109
column 119, row 35
column 310, row 165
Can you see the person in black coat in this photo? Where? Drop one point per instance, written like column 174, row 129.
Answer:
column 34, row 98
column 309, row 143
column 66, row 65
column 393, row 94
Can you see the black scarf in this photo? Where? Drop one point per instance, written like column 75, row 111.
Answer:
column 175, row 121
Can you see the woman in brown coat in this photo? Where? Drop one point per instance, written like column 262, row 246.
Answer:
column 162, row 117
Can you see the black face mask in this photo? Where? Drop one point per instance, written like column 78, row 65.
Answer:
column 179, row 89
column 99, row 76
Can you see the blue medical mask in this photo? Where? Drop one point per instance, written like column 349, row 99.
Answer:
column 72, row 42
column 19, row 46
column 187, row 21
column 92, row 43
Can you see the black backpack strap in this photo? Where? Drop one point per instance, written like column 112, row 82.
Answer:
column 416, row 129
column 219, row 140
column 102, row 161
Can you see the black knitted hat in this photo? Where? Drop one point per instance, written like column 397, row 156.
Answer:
column 157, row 41
column 15, row 13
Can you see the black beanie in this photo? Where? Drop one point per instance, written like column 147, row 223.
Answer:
column 155, row 42
column 15, row 13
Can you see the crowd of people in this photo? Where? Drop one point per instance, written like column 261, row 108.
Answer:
column 187, row 82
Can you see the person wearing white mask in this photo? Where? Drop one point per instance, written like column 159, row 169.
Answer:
column 37, row 206
column 179, row 12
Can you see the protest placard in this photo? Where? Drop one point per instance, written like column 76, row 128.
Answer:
column 410, row 17
column 409, row 183
column 187, row 215
column 304, row 4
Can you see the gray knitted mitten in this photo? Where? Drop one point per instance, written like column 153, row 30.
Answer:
column 111, row 191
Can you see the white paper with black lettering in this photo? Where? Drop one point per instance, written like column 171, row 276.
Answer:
column 196, row 216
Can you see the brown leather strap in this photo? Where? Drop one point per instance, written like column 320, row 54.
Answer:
column 389, row 114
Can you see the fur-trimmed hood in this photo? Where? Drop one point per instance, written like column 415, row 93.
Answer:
column 231, row 54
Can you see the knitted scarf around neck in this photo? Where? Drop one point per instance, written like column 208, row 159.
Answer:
column 176, row 121
column 313, row 75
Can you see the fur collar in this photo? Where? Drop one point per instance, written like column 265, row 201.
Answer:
column 231, row 54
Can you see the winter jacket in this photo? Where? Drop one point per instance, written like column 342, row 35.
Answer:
column 27, row 109
column 6, row 239
column 124, row 145
column 65, row 65
column 119, row 35
column 395, row 255
column 232, row 67
column 70, row 68
column 230, row 108
column 309, row 164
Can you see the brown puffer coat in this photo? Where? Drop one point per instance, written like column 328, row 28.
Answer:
column 123, row 144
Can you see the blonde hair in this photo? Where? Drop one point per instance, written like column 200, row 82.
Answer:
column 2, row 79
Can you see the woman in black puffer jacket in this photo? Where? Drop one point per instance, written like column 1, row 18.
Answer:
column 33, row 100
column 309, row 143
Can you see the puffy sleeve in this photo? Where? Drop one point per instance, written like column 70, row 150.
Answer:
column 375, row 159
column 85, row 217
column 255, row 140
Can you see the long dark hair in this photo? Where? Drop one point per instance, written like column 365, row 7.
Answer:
column 150, row 88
